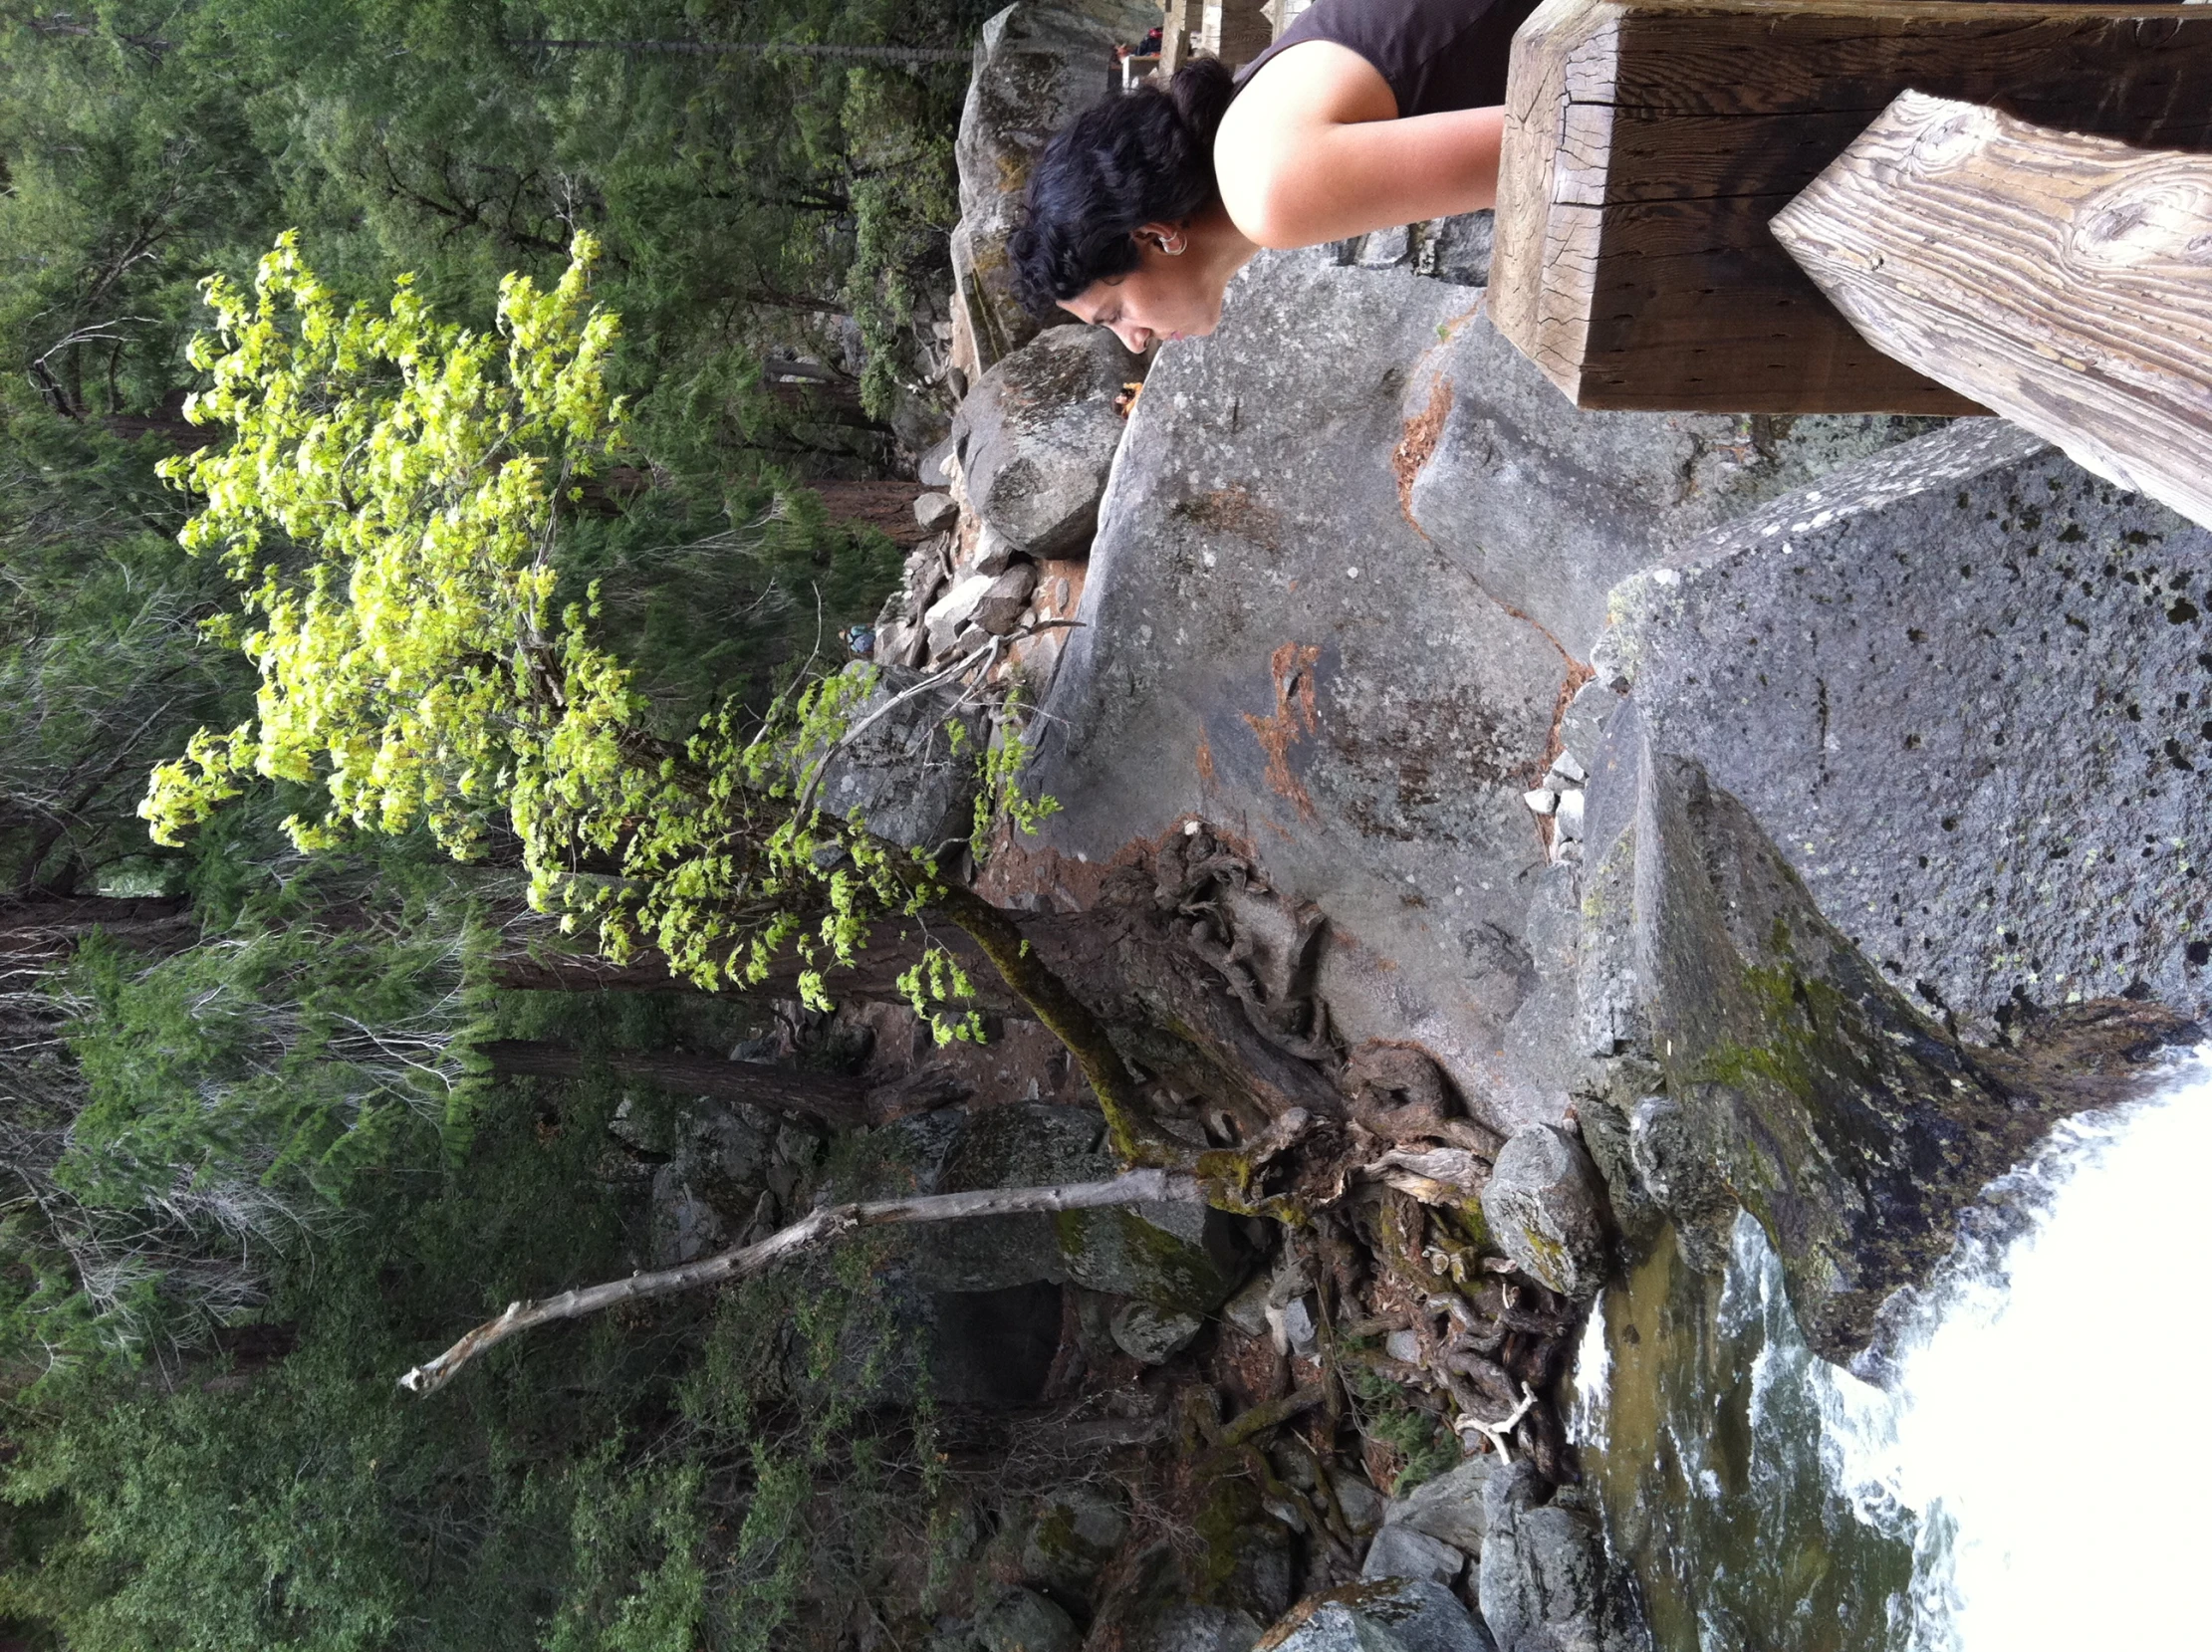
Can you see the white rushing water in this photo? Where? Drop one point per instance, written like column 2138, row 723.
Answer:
column 2048, row 1443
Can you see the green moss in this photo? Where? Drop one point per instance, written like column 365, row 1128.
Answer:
column 1803, row 1049
column 1223, row 1522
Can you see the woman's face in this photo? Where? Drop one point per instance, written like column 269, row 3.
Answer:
column 1165, row 296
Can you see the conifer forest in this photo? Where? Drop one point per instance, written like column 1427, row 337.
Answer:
column 427, row 437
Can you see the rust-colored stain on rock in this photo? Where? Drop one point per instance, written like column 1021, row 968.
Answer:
column 1235, row 510
column 1418, row 445
column 1294, row 718
column 1205, row 761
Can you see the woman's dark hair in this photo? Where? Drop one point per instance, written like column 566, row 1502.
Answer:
column 1119, row 164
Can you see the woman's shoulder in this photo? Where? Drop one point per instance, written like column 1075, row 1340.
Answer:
column 1434, row 54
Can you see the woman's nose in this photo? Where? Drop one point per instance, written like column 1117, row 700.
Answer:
column 1134, row 339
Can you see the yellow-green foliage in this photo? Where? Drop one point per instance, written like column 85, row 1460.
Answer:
column 384, row 506
column 389, row 505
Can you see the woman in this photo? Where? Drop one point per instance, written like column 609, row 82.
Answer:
column 1365, row 115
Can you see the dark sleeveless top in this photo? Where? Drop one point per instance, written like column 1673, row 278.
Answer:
column 1436, row 54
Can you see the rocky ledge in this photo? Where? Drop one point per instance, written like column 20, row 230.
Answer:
column 1513, row 835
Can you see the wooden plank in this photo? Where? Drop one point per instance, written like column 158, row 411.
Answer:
column 2064, row 281
column 1649, row 143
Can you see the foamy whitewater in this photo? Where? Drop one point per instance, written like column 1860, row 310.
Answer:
column 2045, row 1450
column 2050, row 1433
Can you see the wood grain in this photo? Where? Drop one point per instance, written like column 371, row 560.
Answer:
column 1649, row 143
column 2064, row 281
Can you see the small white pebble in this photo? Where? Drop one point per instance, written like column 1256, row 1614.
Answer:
column 1541, row 801
column 1352, row 574
column 1190, row 828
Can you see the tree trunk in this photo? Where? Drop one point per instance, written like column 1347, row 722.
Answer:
column 43, row 925
column 872, row 979
column 832, row 1098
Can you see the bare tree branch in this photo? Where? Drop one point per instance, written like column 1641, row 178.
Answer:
column 760, row 48
column 1137, row 1187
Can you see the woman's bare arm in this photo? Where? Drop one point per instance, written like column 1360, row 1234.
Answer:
column 1313, row 151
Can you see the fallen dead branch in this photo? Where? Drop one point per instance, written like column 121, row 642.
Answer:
column 1500, row 1432
column 744, row 1261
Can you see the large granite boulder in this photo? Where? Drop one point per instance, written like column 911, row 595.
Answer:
column 902, row 768
column 1036, row 438
column 1401, row 1551
column 1546, row 1207
column 1326, row 612
column 1755, row 1057
column 1546, row 1583
column 1390, row 1614
column 1966, row 687
column 1073, row 1531
column 1022, row 1620
column 1036, row 68
column 1800, row 930
column 1448, row 1508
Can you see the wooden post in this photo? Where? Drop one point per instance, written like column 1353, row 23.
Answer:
column 2065, row 282
column 1179, row 33
column 1649, row 143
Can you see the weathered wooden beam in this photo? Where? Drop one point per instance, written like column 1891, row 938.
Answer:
column 1649, row 143
column 2063, row 281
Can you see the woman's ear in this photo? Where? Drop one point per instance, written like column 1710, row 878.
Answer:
column 1171, row 239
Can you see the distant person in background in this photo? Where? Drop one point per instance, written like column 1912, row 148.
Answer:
column 1365, row 115
column 1129, row 57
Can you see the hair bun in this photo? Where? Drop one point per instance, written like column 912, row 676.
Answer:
column 1201, row 90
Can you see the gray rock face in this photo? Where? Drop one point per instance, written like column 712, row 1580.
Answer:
column 1549, row 506
column 1546, row 1206
column 684, row 1227
column 1397, row 1615
column 1457, row 250
column 1182, row 1258
column 715, row 1186
column 1244, row 658
column 1035, row 69
column 1362, row 1504
column 1151, row 1336
column 1178, row 1257
column 1190, row 1626
column 1545, row 1582
column 1076, row 1530
column 1022, row 1620
column 1401, row 1551
column 1331, row 606
column 1448, row 1508
column 1967, row 690
column 903, row 774
column 1788, row 1077
column 1036, row 437
column 1212, row 1601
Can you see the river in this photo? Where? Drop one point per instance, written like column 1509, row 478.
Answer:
column 2033, row 1474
